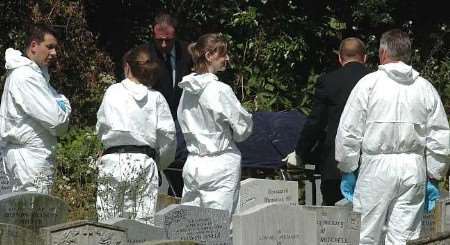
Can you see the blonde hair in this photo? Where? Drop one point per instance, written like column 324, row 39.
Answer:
column 207, row 43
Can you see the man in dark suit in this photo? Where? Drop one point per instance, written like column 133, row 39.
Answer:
column 172, row 56
column 332, row 91
column 175, row 62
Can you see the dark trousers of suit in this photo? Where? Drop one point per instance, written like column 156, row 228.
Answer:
column 331, row 192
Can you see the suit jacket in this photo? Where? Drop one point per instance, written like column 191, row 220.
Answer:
column 332, row 91
column 183, row 66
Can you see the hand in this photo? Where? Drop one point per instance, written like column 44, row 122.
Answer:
column 348, row 183
column 432, row 194
column 61, row 104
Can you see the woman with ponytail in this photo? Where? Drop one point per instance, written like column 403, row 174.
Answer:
column 138, row 133
column 212, row 120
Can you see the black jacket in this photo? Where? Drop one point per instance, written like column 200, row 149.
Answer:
column 183, row 66
column 332, row 91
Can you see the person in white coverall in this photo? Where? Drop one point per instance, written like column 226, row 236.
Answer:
column 396, row 119
column 137, row 131
column 211, row 119
column 32, row 113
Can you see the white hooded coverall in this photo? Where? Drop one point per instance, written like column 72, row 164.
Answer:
column 30, row 120
column 211, row 119
column 397, row 120
column 132, row 114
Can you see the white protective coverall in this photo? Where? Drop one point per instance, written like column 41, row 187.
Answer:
column 30, row 120
column 211, row 119
column 396, row 119
column 132, row 114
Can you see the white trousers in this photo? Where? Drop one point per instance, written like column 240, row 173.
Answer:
column 127, row 187
column 390, row 192
column 212, row 181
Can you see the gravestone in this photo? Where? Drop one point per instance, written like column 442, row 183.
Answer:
column 312, row 182
column 171, row 242
column 32, row 210
column 137, row 232
column 260, row 191
column 204, row 225
column 442, row 238
column 83, row 232
column 280, row 224
column 337, row 225
column 16, row 235
column 438, row 220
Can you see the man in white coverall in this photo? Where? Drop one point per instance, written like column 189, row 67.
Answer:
column 395, row 118
column 32, row 113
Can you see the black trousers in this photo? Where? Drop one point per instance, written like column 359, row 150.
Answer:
column 331, row 192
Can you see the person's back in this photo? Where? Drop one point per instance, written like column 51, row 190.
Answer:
column 395, row 124
column 32, row 113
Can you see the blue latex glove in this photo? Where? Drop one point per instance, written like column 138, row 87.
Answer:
column 348, row 183
column 432, row 194
column 61, row 105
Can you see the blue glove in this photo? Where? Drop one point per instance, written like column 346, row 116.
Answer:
column 348, row 183
column 61, row 105
column 432, row 194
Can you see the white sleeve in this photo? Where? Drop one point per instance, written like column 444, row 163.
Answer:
column 165, row 134
column 239, row 119
column 40, row 102
column 351, row 129
column 437, row 140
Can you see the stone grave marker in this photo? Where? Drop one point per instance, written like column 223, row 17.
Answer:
column 83, row 232
column 16, row 235
column 32, row 210
column 438, row 220
column 259, row 191
column 442, row 238
column 204, row 225
column 279, row 224
column 337, row 225
column 137, row 232
column 170, row 242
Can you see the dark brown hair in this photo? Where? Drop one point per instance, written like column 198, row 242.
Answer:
column 37, row 33
column 164, row 17
column 143, row 68
column 207, row 43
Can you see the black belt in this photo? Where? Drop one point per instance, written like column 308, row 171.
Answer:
column 144, row 149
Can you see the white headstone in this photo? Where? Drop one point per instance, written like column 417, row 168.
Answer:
column 259, row 191
column 137, row 232
column 438, row 220
column 337, row 225
column 279, row 224
column 204, row 225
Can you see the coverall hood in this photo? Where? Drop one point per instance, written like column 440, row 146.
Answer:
column 136, row 90
column 400, row 72
column 14, row 59
column 195, row 83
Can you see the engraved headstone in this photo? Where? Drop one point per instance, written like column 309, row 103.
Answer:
column 337, row 225
column 280, row 224
column 83, row 232
column 204, row 225
column 171, row 242
column 16, row 235
column 260, row 191
column 32, row 210
column 438, row 220
column 5, row 184
column 137, row 232
column 442, row 238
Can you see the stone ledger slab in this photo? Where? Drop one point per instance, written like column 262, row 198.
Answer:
column 337, row 225
column 441, row 238
column 204, row 225
column 83, row 232
column 137, row 232
column 438, row 220
column 258, row 191
column 32, row 210
column 16, row 235
column 280, row 224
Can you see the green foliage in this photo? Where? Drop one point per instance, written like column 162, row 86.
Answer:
column 75, row 172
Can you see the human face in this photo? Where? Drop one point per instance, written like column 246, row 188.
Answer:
column 164, row 35
column 217, row 62
column 44, row 53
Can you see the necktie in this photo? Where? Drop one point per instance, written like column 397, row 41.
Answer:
column 169, row 67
